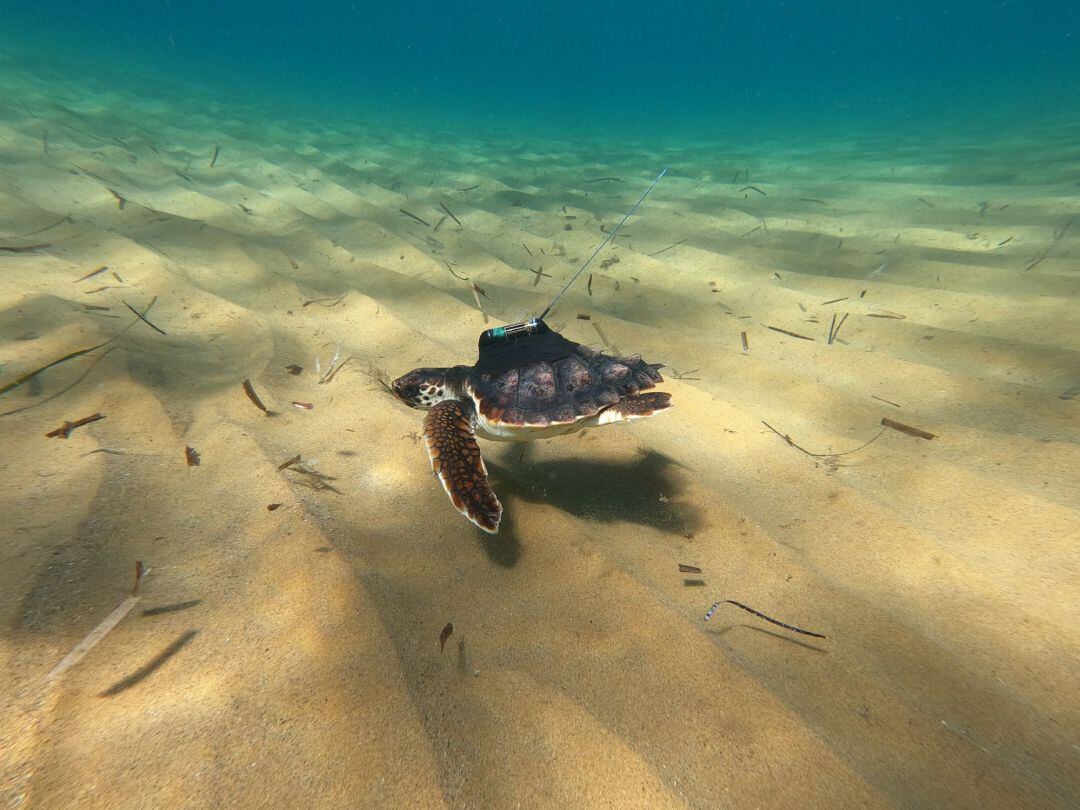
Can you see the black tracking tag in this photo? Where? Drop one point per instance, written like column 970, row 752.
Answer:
column 520, row 344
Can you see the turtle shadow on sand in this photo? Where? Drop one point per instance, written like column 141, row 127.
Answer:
column 644, row 490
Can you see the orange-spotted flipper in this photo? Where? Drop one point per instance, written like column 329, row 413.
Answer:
column 455, row 458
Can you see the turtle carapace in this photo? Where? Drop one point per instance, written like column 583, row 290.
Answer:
column 529, row 382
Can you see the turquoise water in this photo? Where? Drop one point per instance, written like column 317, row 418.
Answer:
column 644, row 68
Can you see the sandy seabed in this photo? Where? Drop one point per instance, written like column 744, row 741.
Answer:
column 291, row 657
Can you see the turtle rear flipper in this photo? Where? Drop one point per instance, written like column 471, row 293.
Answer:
column 455, row 458
column 635, row 406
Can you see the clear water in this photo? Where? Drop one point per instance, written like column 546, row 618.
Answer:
column 603, row 66
column 871, row 211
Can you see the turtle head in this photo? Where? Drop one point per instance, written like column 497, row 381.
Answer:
column 426, row 387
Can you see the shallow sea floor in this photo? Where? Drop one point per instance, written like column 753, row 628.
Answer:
column 292, row 656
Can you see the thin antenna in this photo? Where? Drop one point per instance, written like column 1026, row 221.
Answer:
column 603, row 244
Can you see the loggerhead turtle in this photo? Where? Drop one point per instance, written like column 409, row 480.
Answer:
column 529, row 382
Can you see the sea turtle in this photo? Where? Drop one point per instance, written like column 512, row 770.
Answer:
column 529, row 382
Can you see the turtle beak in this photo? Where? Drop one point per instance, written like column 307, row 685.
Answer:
column 410, row 391
column 405, row 392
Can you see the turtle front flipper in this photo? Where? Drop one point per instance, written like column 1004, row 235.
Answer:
column 455, row 458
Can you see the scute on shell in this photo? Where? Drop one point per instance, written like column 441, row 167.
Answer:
column 574, row 375
column 536, row 384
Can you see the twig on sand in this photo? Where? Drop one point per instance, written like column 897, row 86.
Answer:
column 451, row 213
column 249, row 389
column 142, row 317
column 908, row 429
column 479, row 306
column 787, row 439
column 93, row 273
column 787, row 332
column 289, row 462
column 414, row 216
column 539, row 271
column 1057, row 238
column 63, row 390
column 760, row 615
column 834, row 328
column 92, row 638
column 333, row 368
column 326, row 302
column 16, row 383
column 24, row 248
column 71, row 355
column 455, row 275
column 65, row 429
column 669, row 247
column 46, row 228
column 332, row 372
